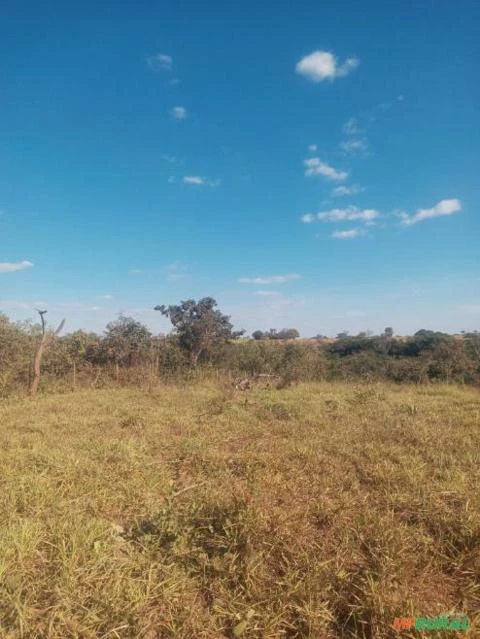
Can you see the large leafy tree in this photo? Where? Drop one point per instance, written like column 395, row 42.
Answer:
column 199, row 326
column 127, row 342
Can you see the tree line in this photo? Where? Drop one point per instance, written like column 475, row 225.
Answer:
column 203, row 340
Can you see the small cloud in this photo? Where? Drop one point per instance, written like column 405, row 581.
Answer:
column 323, row 65
column 312, row 148
column 341, row 191
column 351, row 127
column 10, row 267
column 340, row 215
column 105, row 297
column 444, row 207
column 200, row 181
column 271, row 279
column 160, row 61
column 346, row 235
column 354, row 146
column 179, row 112
column 356, row 142
column 168, row 158
column 135, row 271
column 175, row 271
column 268, row 293
column 316, row 167
column 194, row 179
column 308, row 218
column 174, row 82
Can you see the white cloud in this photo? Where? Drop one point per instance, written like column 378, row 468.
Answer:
column 179, row 112
column 444, row 207
column 160, row 61
column 175, row 271
column 340, row 191
column 323, row 65
column 200, row 181
column 271, row 279
column 354, row 146
column 312, row 148
column 340, row 215
column 105, row 297
column 194, row 179
column 135, row 271
column 356, row 142
column 346, row 235
column 10, row 267
column 351, row 127
column 168, row 158
column 316, row 167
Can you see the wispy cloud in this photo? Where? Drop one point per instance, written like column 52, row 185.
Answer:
column 314, row 166
column 323, row 65
column 356, row 142
column 168, row 158
column 351, row 127
column 340, row 215
column 160, row 61
column 105, row 297
column 354, row 146
column 340, row 191
column 271, row 279
column 135, row 271
column 347, row 235
column 200, row 181
column 194, row 179
column 179, row 112
column 444, row 207
column 175, row 271
column 312, row 148
column 10, row 267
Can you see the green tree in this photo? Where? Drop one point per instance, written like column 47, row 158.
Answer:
column 79, row 346
column 257, row 335
column 127, row 342
column 288, row 333
column 199, row 326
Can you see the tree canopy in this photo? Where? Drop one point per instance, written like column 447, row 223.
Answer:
column 199, row 325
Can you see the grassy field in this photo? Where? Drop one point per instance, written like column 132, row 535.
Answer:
column 320, row 511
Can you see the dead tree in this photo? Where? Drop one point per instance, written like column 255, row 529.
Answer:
column 47, row 339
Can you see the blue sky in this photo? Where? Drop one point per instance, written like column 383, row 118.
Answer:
column 312, row 166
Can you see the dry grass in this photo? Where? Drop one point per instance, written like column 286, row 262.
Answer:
column 320, row 511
